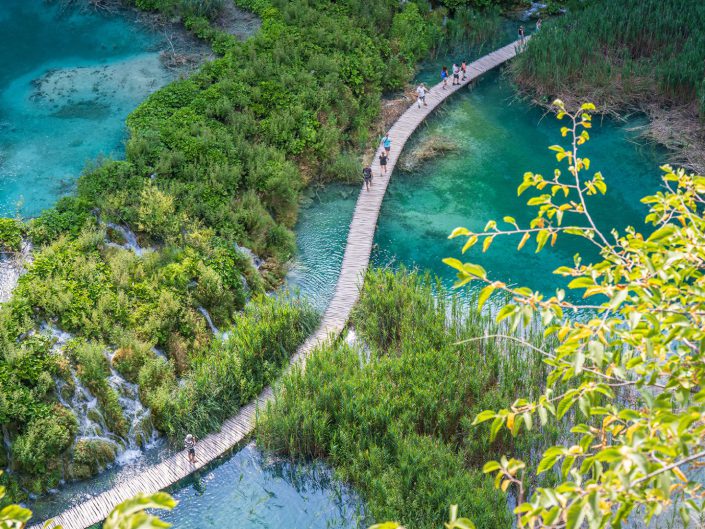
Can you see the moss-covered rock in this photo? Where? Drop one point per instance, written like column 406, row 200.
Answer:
column 90, row 456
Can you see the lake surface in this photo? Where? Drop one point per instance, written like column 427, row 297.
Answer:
column 252, row 490
column 496, row 138
column 68, row 79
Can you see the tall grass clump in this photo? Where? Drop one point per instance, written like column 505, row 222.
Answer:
column 393, row 413
column 617, row 53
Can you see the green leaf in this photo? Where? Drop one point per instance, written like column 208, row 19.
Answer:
column 457, row 232
column 509, row 220
column 485, row 293
column 454, row 263
column 483, row 416
column 491, row 466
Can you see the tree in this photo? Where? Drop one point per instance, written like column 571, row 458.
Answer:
column 129, row 514
column 626, row 377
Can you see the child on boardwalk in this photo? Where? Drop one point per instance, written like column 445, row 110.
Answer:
column 444, row 77
column 367, row 176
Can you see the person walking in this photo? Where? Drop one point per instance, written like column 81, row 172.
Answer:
column 387, row 143
column 444, row 77
column 464, row 69
column 421, row 91
column 367, row 176
column 190, row 445
column 383, row 162
column 456, row 74
column 521, row 36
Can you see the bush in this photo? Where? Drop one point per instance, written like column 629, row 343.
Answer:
column 37, row 450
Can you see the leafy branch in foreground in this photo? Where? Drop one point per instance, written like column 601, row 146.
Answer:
column 130, row 514
column 630, row 369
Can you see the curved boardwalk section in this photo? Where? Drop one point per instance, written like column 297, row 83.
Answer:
column 355, row 260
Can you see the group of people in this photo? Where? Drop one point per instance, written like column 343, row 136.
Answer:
column 421, row 91
column 383, row 158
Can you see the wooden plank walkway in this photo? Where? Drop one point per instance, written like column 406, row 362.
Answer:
column 355, row 261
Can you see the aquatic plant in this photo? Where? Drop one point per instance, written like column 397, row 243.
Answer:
column 617, row 53
column 392, row 412
column 626, row 378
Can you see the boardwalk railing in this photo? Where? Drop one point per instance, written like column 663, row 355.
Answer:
column 355, row 260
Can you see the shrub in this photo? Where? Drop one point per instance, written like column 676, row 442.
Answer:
column 36, row 450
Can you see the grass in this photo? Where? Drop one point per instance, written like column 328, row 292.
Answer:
column 393, row 414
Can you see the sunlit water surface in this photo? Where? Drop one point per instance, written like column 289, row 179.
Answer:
column 68, row 79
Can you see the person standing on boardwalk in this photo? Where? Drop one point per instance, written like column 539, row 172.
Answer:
column 190, row 445
column 421, row 95
column 444, row 77
column 456, row 74
column 387, row 143
column 464, row 69
column 383, row 162
column 538, row 25
column 521, row 36
column 367, row 176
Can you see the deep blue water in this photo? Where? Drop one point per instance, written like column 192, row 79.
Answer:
column 68, row 79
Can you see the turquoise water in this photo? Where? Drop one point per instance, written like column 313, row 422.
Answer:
column 68, row 79
column 251, row 491
column 498, row 138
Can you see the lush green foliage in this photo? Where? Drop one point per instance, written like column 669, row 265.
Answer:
column 631, row 369
column 393, row 414
column 620, row 52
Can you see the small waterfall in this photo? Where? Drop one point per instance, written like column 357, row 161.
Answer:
column 92, row 426
column 129, row 237
column 216, row 332
column 535, row 7
column 8, row 447
column 363, row 351
column 256, row 261
column 12, row 266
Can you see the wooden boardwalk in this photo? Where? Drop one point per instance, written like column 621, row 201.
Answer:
column 355, row 261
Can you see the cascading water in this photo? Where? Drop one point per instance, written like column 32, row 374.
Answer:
column 74, row 395
column 12, row 265
column 128, row 236
column 256, row 261
column 216, row 332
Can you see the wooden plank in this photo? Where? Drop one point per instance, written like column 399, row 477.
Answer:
column 353, row 268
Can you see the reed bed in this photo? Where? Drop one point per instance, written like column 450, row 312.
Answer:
column 393, row 412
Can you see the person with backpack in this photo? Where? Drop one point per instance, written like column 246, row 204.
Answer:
column 367, row 176
column 387, row 143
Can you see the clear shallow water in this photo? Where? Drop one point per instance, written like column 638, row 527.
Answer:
column 251, row 490
column 321, row 235
column 498, row 139
column 68, row 80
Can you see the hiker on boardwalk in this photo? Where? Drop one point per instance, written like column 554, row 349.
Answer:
column 387, row 143
column 464, row 69
column 444, row 77
column 190, row 445
column 421, row 91
column 521, row 36
column 383, row 162
column 367, row 176
column 456, row 74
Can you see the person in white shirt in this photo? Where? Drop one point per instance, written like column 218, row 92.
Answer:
column 456, row 74
column 421, row 91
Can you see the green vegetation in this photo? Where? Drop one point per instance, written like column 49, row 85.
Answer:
column 626, row 374
column 620, row 53
column 393, row 414
column 213, row 163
